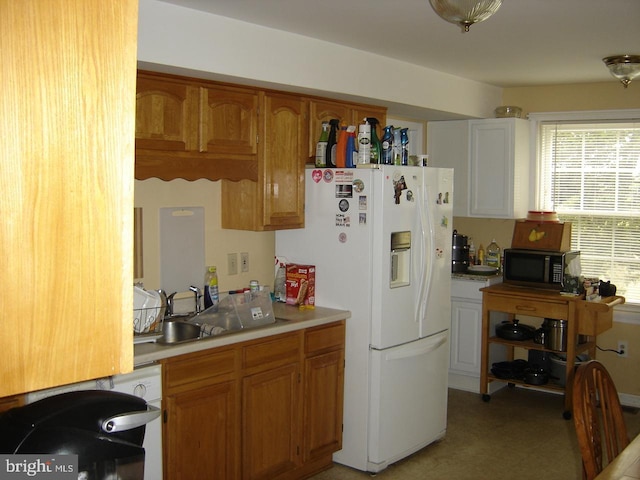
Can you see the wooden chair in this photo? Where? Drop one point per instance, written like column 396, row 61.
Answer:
column 598, row 419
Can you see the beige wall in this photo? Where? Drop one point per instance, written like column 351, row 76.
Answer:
column 153, row 194
column 598, row 96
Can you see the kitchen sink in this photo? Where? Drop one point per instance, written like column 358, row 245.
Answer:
column 178, row 331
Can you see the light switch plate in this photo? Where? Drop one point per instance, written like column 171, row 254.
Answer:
column 232, row 263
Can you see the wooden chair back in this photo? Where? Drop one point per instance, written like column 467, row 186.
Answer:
column 598, row 419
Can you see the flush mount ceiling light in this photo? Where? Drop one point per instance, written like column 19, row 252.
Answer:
column 465, row 12
column 624, row 67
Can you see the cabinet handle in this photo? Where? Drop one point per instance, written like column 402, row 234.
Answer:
column 526, row 308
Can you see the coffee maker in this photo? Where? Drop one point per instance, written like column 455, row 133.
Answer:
column 460, row 253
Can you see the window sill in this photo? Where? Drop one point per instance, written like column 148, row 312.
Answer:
column 627, row 313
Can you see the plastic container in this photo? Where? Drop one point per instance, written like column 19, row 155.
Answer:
column 493, row 255
column 321, row 146
column 558, row 367
column 376, row 146
column 279, row 285
column 387, row 145
column 341, row 148
column 211, row 293
column 352, row 151
column 364, row 143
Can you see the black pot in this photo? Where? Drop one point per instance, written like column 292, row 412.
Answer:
column 459, row 240
column 536, row 376
column 515, row 331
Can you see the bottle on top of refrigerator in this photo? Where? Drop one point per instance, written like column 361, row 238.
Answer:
column 397, row 147
column 352, row 151
column 341, row 147
column 404, row 146
column 211, row 295
column 364, row 143
column 376, row 147
column 331, row 142
column 387, row 145
column 493, row 255
column 321, row 146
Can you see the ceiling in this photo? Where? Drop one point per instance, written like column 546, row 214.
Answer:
column 526, row 43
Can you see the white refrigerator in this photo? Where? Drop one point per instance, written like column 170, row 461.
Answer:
column 380, row 238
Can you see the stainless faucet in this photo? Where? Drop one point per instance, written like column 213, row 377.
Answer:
column 198, row 298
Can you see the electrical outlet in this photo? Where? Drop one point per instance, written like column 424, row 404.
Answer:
column 623, row 348
column 244, row 262
column 232, row 263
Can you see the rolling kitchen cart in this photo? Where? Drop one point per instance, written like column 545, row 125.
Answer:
column 583, row 318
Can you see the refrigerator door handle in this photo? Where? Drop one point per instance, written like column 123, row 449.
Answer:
column 426, row 229
column 416, row 351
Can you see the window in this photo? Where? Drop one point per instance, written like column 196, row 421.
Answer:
column 589, row 173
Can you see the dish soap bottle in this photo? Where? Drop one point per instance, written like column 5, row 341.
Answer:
column 472, row 253
column 493, row 255
column 480, row 257
column 211, row 294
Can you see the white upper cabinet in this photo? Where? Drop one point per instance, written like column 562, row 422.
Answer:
column 490, row 158
column 448, row 146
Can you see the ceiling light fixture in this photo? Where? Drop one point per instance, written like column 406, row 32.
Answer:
column 465, row 12
column 624, row 67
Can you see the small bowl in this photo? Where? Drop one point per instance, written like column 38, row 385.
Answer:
column 508, row 112
column 536, row 216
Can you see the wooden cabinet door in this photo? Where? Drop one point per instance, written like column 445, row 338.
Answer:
column 166, row 115
column 200, row 433
column 270, row 422
column 229, row 121
column 283, row 161
column 324, row 391
column 67, row 191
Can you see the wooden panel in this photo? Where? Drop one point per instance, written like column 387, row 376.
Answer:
column 270, row 422
column 280, row 350
column 166, row 114
column 198, row 367
column 533, row 308
column 66, row 190
column 202, row 433
column 324, row 388
column 229, row 120
column 542, row 236
column 325, row 338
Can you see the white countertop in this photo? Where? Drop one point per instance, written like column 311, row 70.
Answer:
column 288, row 319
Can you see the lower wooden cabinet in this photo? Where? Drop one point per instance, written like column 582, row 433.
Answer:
column 264, row 409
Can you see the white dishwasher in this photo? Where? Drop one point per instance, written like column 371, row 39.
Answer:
column 144, row 382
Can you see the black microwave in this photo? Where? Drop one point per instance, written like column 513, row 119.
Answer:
column 541, row 269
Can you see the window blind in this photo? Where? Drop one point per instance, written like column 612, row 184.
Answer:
column 589, row 173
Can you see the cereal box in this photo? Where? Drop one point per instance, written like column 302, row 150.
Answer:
column 301, row 285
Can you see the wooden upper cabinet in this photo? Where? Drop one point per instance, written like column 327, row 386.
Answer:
column 276, row 200
column 348, row 113
column 191, row 129
column 229, row 121
column 166, row 115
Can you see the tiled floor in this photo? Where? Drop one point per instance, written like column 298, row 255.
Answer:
column 519, row 434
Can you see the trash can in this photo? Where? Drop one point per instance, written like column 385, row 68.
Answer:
column 104, row 428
